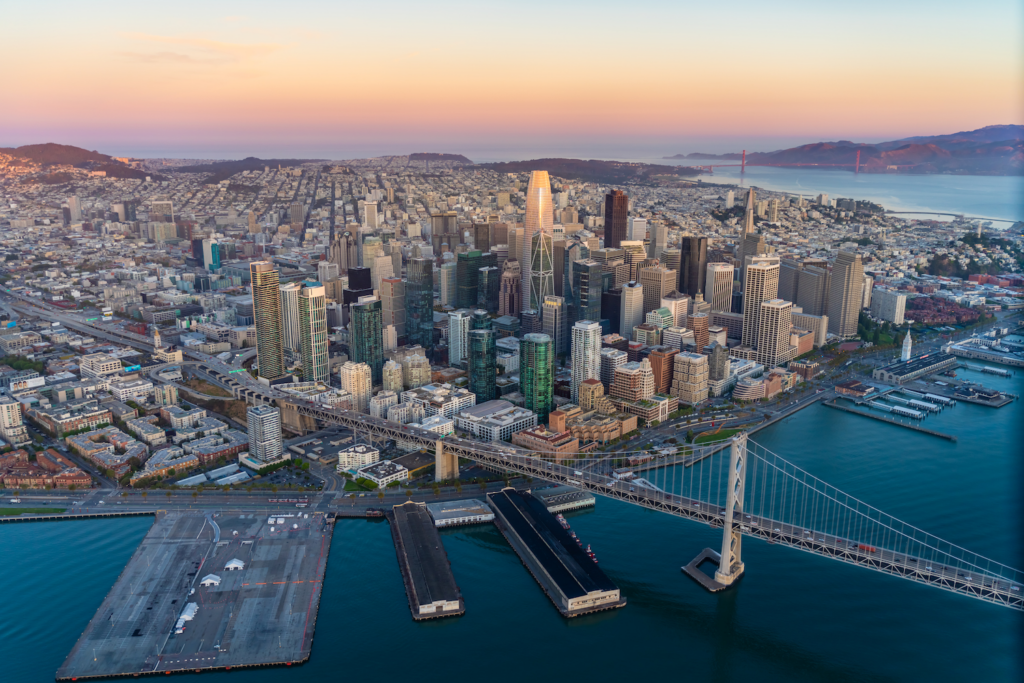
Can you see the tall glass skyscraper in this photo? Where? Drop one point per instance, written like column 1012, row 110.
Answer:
column 313, row 332
column 542, row 273
column 483, row 364
column 536, row 374
column 419, row 302
column 587, row 278
column 367, row 344
column 266, row 304
column 539, row 219
column 480, row 320
column 616, row 218
column 489, row 288
column 468, row 270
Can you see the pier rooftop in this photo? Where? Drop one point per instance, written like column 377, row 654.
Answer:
column 459, row 512
column 570, row 578
column 426, row 571
column 563, row 498
column 208, row 591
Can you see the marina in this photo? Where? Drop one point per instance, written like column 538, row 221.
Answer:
column 205, row 591
column 426, row 572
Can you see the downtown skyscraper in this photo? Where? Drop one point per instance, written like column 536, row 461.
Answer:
column 693, row 266
column 483, row 364
column 616, row 218
column 367, row 341
column 536, row 374
column 419, row 302
column 313, row 332
column 539, row 220
column 266, row 300
column 845, row 294
column 586, row 354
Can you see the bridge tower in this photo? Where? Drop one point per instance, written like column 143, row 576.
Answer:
column 446, row 465
column 743, row 163
column 857, row 166
column 730, row 566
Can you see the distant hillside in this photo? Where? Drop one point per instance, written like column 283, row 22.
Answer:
column 993, row 150
column 222, row 170
column 52, row 154
column 593, row 170
column 439, row 156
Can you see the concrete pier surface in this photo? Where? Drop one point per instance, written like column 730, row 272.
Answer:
column 424, row 564
column 209, row 591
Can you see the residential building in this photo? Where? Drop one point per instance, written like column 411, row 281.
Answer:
column 266, row 296
column 495, row 420
column 357, row 379
column 313, row 340
column 586, row 354
column 690, row 380
column 264, row 427
column 366, row 343
column 536, row 373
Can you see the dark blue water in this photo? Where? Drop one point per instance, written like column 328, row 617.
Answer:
column 793, row 617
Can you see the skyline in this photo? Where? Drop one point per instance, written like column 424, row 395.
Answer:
column 242, row 79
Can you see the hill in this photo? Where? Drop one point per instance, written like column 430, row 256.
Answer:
column 439, row 156
column 593, row 170
column 52, row 154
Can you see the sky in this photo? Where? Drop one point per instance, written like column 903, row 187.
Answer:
column 530, row 77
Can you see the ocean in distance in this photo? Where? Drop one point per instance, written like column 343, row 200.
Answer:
column 794, row 617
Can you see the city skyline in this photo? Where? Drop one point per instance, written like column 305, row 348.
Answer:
column 238, row 78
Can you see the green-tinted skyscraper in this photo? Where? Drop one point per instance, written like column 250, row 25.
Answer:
column 489, row 288
column 483, row 364
column 468, row 270
column 480, row 320
column 367, row 343
column 536, row 374
column 419, row 303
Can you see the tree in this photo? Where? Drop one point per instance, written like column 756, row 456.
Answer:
column 145, row 495
column 380, row 494
column 408, row 494
column 352, row 497
column 195, row 494
column 482, row 483
column 437, row 491
column 689, row 435
column 168, row 496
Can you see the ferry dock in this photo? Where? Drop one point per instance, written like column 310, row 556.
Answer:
column 426, row 571
column 207, row 591
column 569, row 577
column 834, row 404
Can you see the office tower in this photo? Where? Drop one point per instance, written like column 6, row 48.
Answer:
column 631, row 312
column 762, row 284
column 586, row 354
column 357, row 379
column 483, row 364
column 730, row 199
column 393, row 295
column 789, row 279
column 718, row 286
column 161, row 211
column 659, row 239
column 482, row 237
column 587, row 277
column 677, row 337
column 516, row 243
column 753, row 245
column 637, row 229
column 327, row 271
column 264, row 427
column 698, row 322
column 296, row 217
column 509, row 299
column 888, row 305
column 555, row 324
column 678, row 305
column 591, row 391
column 448, row 280
column 611, row 309
column 694, row 265
column 366, row 343
column 538, row 221
column 542, row 274
column 845, row 294
column 489, row 288
column 690, row 378
column 75, row 207
column 266, row 298
column 773, row 211
column 774, row 325
column 633, row 381
column 211, row 255
column 531, row 321
column 718, row 362
column 634, row 254
column 662, row 359
column 536, row 374
column 656, row 282
column 290, row 316
column 370, row 215
column 391, row 375
column 419, row 303
column 671, row 259
column 813, row 289
column 616, row 215
column 479, row 320
column 458, row 344
column 313, row 332
column 468, row 271
column 253, row 227
column 748, row 216
column 610, row 360
column 372, row 248
column 559, row 265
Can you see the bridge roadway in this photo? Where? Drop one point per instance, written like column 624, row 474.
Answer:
column 977, row 584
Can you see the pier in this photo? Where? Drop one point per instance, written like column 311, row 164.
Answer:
column 424, row 564
column 572, row 580
column 834, row 404
column 206, row 591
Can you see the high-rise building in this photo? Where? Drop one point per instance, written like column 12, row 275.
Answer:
column 366, row 343
column 161, row 210
column 510, row 300
column 662, row 359
column 75, row 207
column 468, row 271
column 633, row 381
column 762, row 284
column 591, row 390
column 448, row 279
column 211, row 255
column 296, row 217
column 489, row 288
column 690, row 381
column 694, row 265
column 730, row 199
column 539, row 220
column 586, row 354
column 458, row 342
column 889, row 305
column 481, row 241
column 587, row 289
column 536, row 374
column 419, row 303
column 290, row 317
column 748, row 216
column 483, row 365
column 327, row 271
column 657, row 282
column 659, row 239
column 555, row 324
column 718, row 286
column 813, row 289
column 392, row 376
column 266, row 299
column 616, row 217
column 357, row 379
column 678, row 305
column 264, row 428
column 392, row 299
column 313, row 333
column 845, row 294
column 610, row 360
column 699, row 322
column 718, row 362
column 631, row 313
column 253, row 227
column 542, row 272
column 774, row 325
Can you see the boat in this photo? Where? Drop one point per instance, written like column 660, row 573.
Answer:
column 561, row 520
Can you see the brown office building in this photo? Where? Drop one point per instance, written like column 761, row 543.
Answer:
column 616, row 218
